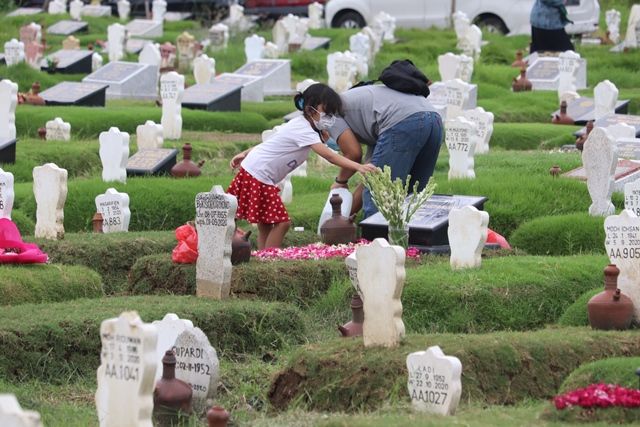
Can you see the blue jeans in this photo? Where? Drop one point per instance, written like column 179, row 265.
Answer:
column 411, row 147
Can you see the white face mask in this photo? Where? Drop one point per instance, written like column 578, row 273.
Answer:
column 325, row 121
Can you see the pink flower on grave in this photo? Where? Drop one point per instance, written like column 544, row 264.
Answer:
column 599, row 396
column 316, row 251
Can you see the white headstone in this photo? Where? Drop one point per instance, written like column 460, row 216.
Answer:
column 204, row 69
column 57, row 7
column 352, row 268
column 472, row 42
column 12, row 415
column 75, row 9
column 434, row 381
column 280, row 36
column 345, row 208
column 286, row 189
column 359, row 45
column 96, row 62
column 315, row 12
column 568, row 65
column 114, row 207
column 171, row 92
column 116, row 35
column 387, row 24
column 150, row 54
column 169, row 328
column 449, row 66
column 197, row 365
column 458, row 93
column 613, row 17
column 50, row 191
column 460, row 140
column 484, row 127
column 58, row 130
column 631, row 196
column 461, row 24
column 466, row 68
column 13, row 52
column 381, row 277
column 124, row 9
column 219, row 36
column 467, row 235
column 620, row 131
column 114, row 153
column 631, row 37
column 271, row 51
column 254, row 48
column 605, row 97
column 600, row 157
column 215, row 223
column 158, row 10
column 7, row 194
column 127, row 370
column 8, row 103
column 149, row 136
column 376, row 40
column 296, row 29
column 342, row 69
column 622, row 243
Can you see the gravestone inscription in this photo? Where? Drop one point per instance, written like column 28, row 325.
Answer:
column 114, row 207
column 631, row 197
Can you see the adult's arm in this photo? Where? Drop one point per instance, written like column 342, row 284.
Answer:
column 351, row 149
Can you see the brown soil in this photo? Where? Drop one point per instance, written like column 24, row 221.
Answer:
column 284, row 388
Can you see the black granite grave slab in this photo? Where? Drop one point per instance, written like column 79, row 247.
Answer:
column 615, row 119
column 74, row 93
column 156, row 161
column 72, row 61
column 8, row 151
column 214, row 96
column 428, row 227
column 67, row 27
column 2, row 61
column 582, row 110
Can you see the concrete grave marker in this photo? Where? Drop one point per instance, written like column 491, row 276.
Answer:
column 75, row 9
column 95, row 9
column 66, row 28
column 631, row 196
column 71, row 43
column 254, row 48
column 215, row 223
column 171, row 92
column 274, row 73
column 352, row 267
column 381, row 277
column 286, row 189
column 150, row 55
column 7, row 195
column 50, row 191
column 467, row 235
column 144, row 28
column 12, row 415
column 315, row 11
column 149, row 136
column 114, row 153
column 8, row 103
column 620, row 131
column 605, row 97
column 116, row 35
column 96, row 62
column 124, row 9
column 197, row 365
column 57, row 7
column 457, row 96
column 114, row 207
column 219, row 37
column 449, row 66
column 360, row 47
column 460, row 140
column 124, row 396
column 434, row 381
column 484, row 127
column 612, row 18
column 631, row 37
column 271, row 51
column 58, row 130
column 342, row 68
column 622, row 243
column 461, row 24
column 158, row 10
column 169, row 328
column 252, row 86
column 472, row 42
column 76, row 61
column 186, row 47
column 568, row 65
column 387, row 24
column 204, row 69
column 600, row 157
column 13, row 52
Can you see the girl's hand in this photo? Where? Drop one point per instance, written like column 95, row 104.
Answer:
column 237, row 159
column 367, row 168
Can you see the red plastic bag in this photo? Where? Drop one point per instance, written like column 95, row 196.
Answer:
column 186, row 252
column 493, row 237
column 13, row 250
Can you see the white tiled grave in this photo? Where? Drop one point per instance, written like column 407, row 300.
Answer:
column 544, row 72
column 252, row 87
column 276, row 74
column 144, row 28
column 127, row 80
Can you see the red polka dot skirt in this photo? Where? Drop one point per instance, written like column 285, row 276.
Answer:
column 258, row 203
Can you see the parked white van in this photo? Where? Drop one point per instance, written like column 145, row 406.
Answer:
column 505, row 16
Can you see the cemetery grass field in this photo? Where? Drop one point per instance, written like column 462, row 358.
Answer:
column 518, row 324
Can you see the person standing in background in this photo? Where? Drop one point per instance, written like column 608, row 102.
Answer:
column 548, row 19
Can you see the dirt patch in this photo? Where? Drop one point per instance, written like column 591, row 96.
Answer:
column 284, row 388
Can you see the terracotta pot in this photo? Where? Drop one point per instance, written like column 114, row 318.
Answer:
column 610, row 309
column 217, row 417
column 240, row 247
column 519, row 62
column 581, row 139
column 338, row 229
column 354, row 327
column 555, row 171
column 521, row 83
column 186, row 167
column 97, row 222
column 562, row 118
column 171, row 397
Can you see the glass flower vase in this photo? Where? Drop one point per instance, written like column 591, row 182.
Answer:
column 399, row 236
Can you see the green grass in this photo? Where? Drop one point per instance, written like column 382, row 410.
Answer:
column 617, row 370
column 42, row 283
column 576, row 314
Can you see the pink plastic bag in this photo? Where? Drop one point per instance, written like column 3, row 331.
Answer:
column 13, row 250
column 186, row 252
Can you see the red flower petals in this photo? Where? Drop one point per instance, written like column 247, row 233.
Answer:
column 317, row 251
column 599, row 396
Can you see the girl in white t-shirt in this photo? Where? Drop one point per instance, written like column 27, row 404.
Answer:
column 265, row 165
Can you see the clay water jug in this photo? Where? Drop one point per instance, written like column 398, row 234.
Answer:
column 519, row 62
column 97, row 222
column 562, row 118
column 354, row 327
column 217, row 417
column 338, row 229
column 582, row 138
column 186, row 167
column 610, row 309
column 521, row 83
column 240, row 247
column 171, row 397
column 555, row 171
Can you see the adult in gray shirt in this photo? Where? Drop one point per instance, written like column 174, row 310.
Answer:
column 401, row 130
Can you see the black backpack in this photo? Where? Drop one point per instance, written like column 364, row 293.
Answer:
column 404, row 77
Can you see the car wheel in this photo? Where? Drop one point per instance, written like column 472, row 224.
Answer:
column 349, row 19
column 492, row 24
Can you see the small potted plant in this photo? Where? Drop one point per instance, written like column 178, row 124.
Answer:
column 390, row 197
column 52, row 64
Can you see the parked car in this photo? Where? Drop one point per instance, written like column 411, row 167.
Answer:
column 276, row 8
column 507, row 17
